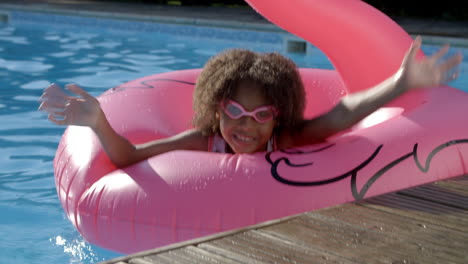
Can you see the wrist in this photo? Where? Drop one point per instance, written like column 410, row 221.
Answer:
column 400, row 82
column 99, row 122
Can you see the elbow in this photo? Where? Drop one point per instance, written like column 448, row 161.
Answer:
column 126, row 158
column 121, row 163
column 339, row 119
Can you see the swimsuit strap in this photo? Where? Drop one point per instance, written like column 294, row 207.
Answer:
column 271, row 146
column 216, row 143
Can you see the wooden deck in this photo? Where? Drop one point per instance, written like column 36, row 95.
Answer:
column 426, row 224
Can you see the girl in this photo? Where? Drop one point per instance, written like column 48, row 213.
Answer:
column 248, row 102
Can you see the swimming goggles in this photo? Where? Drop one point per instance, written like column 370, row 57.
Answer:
column 261, row 114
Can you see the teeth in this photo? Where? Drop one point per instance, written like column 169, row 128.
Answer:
column 244, row 139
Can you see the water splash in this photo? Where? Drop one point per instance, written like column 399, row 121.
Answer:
column 79, row 251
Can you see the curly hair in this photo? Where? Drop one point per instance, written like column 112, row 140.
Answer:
column 277, row 76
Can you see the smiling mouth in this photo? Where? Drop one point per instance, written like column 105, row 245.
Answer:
column 243, row 139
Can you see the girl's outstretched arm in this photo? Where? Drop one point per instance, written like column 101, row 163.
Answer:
column 85, row 110
column 413, row 74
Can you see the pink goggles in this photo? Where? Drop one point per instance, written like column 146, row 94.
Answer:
column 261, row 114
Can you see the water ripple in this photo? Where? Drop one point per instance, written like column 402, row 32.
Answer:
column 25, row 66
column 35, row 85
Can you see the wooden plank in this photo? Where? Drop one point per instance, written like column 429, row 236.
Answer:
column 324, row 236
column 430, row 239
column 263, row 248
column 230, row 255
column 176, row 257
column 430, row 212
column 139, row 261
column 452, row 193
column 160, row 259
column 213, row 257
column 190, row 255
column 362, row 244
column 457, row 184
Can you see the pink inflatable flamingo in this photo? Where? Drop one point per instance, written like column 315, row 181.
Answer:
column 182, row 195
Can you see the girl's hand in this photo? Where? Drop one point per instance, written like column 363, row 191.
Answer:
column 430, row 71
column 69, row 110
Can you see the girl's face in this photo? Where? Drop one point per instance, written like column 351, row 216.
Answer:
column 245, row 134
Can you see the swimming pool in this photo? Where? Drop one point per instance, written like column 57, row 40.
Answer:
column 36, row 49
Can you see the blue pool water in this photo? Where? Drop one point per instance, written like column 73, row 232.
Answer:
column 36, row 50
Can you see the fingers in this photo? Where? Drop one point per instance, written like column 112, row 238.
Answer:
column 440, row 53
column 451, row 63
column 57, row 94
column 54, row 111
column 64, row 109
column 78, row 90
column 51, row 106
column 54, row 90
column 413, row 50
column 448, row 69
column 53, row 93
column 450, row 77
column 416, row 45
column 60, row 122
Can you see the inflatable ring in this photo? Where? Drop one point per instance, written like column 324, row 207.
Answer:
column 182, row 195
